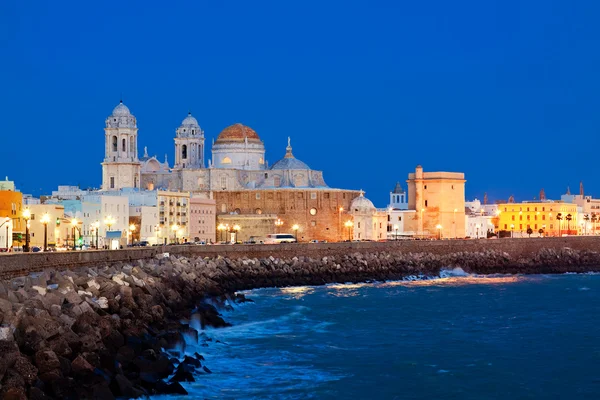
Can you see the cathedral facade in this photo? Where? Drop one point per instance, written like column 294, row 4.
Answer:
column 247, row 191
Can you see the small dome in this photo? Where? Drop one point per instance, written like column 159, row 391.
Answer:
column 361, row 203
column 237, row 133
column 121, row 110
column 189, row 120
column 289, row 161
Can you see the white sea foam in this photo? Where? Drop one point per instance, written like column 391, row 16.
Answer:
column 454, row 272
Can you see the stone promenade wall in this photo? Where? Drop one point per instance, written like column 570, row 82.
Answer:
column 18, row 264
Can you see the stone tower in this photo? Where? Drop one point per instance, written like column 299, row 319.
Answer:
column 121, row 167
column 189, row 144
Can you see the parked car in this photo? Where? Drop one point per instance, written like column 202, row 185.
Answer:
column 276, row 238
column 35, row 249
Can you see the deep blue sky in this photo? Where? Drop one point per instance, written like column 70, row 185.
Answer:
column 506, row 91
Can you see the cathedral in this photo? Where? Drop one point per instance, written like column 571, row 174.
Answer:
column 248, row 192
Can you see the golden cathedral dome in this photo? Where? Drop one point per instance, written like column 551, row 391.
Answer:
column 237, row 133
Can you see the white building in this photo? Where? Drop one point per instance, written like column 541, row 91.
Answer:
column 480, row 219
column 113, row 218
column 396, row 223
column 145, row 220
column 66, row 192
column 369, row 223
column 398, row 198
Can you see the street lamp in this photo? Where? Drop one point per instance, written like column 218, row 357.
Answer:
column 45, row 220
column 235, row 229
column 74, row 226
column 439, row 228
column 174, row 228
column 157, row 227
column 348, row 224
column 96, row 226
column 278, row 223
column 26, row 217
column 512, row 230
column 295, row 228
column 131, row 231
column 396, row 229
column 221, row 228
column 109, row 221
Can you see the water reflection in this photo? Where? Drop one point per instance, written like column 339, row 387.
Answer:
column 457, row 281
column 297, row 292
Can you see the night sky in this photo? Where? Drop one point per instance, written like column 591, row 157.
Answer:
column 507, row 92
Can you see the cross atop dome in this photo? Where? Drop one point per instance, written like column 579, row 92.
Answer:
column 288, row 150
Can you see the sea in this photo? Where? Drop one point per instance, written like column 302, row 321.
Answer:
column 456, row 336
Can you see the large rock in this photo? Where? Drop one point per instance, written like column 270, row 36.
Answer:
column 81, row 366
column 46, row 360
column 26, row 370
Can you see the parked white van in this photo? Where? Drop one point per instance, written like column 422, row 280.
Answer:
column 276, row 238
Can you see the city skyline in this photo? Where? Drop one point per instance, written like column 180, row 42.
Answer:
column 396, row 87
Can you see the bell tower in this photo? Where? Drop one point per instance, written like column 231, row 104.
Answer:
column 121, row 167
column 189, row 144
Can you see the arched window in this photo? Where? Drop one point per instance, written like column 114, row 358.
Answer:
column 131, row 144
column 124, row 145
column 114, row 143
column 184, row 151
column 226, row 160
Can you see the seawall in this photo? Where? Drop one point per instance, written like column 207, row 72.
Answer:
column 12, row 265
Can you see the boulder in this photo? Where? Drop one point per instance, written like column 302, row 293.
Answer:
column 46, row 360
column 81, row 366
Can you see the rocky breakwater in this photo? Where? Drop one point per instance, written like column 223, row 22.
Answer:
column 118, row 330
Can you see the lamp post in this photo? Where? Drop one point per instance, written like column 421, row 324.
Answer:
column 109, row 221
column 96, row 228
column 157, row 227
column 45, row 220
column 235, row 229
column 295, row 228
column 512, row 230
column 348, row 224
column 26, row 217
column 396, row 229
column 439, row 228
column 131, row 231
column 74, row 226
column 221, row 228
column 278, row 224
column 174, row 228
